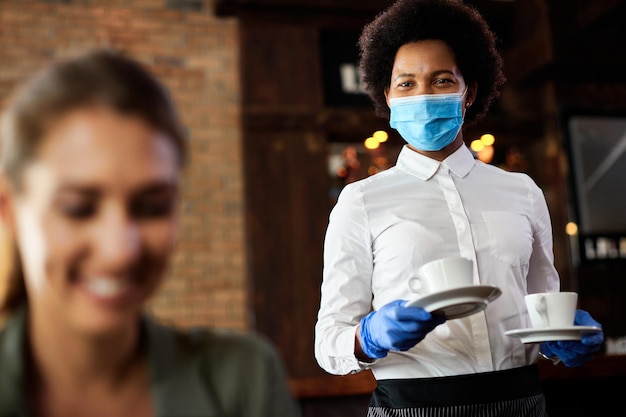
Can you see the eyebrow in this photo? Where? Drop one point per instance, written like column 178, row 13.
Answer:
column 435, row 73
column 158, row 186
column 89, row 191
column 153, row 187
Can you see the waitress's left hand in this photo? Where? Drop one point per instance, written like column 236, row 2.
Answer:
column 576, row 352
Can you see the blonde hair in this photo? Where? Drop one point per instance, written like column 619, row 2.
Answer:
column 12, row 288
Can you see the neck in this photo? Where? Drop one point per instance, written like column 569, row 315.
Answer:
column 65, row 357
column 442, row 154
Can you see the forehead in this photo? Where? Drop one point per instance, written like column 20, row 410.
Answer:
column 99, row 145
column 424, row 55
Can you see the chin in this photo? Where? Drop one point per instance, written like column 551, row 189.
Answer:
column 101, row 319
column 106, row 324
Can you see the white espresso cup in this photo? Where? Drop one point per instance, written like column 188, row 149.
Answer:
column 441, row 275
column 551, row 309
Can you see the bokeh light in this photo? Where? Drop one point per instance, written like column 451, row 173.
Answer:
column 380, row 136
column 488, row 139
column 571, row 229
column 477, row 145
column 371, row 143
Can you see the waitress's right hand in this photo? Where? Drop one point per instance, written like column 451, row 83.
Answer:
column 395, row 327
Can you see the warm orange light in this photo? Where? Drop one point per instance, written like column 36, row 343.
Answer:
column 371, row 143
column 571, row 229
column 488, row 139
column 477, row 145
column 485, row 154
column 380, row 136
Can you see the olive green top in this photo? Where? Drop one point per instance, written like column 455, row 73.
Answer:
column 199, row 372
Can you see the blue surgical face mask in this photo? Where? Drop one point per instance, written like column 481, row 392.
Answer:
column 429, row 122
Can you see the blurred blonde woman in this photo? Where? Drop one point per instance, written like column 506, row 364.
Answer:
column 91, row 157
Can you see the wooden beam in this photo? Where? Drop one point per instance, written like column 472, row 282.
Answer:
column 224, row 8
column 233, row 7
column 531, row 47
column 595, row 12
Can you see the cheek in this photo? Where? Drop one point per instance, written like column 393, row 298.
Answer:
column 33, row 251
column 158, row 248
column 45, row 244
column 159, row 240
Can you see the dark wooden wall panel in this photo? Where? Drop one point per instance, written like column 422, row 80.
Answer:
column 285, row 209
column 286, row 185
column 287, row 189
column 281, row 67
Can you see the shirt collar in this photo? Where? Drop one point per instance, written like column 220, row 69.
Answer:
column 460, row 162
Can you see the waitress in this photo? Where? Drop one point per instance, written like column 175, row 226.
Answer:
column 431, row 67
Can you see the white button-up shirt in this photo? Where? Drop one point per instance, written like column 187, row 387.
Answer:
column 385, row 227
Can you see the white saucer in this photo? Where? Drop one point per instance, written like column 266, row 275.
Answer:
column 552, row 333
column 457, row 302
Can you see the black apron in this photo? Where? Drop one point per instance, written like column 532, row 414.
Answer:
column 510, row 393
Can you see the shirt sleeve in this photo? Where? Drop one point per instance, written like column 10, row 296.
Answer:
column 542, row 274
column 346, row 294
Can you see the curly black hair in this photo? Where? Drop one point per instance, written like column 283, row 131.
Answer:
column 459, row 25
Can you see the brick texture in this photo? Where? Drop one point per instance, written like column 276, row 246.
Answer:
column 196, row 55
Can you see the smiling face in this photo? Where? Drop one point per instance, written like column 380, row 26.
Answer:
column 95, row 220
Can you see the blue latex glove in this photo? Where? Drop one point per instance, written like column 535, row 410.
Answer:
column 395, row 327
column 576, row 352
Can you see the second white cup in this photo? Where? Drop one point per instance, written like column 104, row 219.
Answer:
column 551, row 309
column 441, row 275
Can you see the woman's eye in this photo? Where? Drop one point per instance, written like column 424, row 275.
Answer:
column 443, row 81
column 78, row 211
column 152, row 208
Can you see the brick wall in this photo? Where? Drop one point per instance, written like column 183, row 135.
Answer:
column 196, row 55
